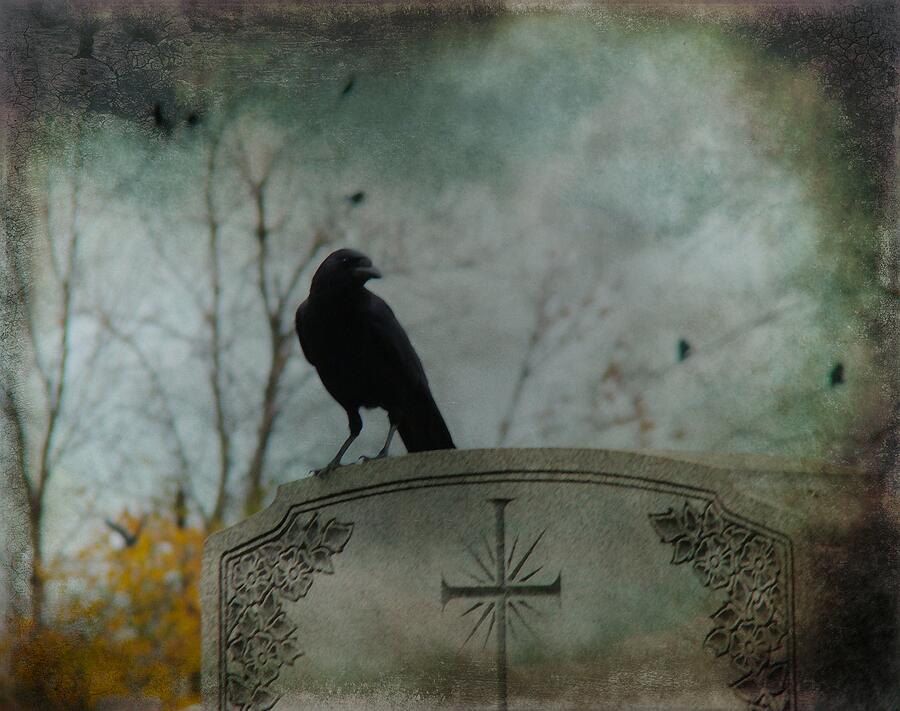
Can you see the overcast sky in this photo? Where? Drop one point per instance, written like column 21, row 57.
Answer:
column 638, row 188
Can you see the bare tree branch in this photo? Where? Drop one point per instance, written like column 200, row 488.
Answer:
column 159, row 390
column 44, row 471
column 214, row 316
column 536, row 335
column 184, row 281
column 319, row 240
column 89, row 410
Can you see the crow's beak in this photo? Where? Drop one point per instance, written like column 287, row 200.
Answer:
column 369, row 272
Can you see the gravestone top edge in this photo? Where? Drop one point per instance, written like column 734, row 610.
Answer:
column 671, row 466
column 526, row 459
column 480, row 461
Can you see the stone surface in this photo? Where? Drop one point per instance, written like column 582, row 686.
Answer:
column 522, row 579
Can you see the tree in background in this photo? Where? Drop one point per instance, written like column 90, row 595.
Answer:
column 58, row 65
column 129, row 624
column 227, row 256
column 126, row 617
column 47, row 403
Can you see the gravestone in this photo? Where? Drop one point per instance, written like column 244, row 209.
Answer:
column 523, row 579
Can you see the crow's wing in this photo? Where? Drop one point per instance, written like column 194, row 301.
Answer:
column 419, row 421
column 392, row 347
column 301, row 332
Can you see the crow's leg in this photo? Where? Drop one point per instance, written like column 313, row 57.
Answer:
column 355, row 422
column 384, row 450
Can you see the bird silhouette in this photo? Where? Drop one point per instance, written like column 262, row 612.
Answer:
column 836, row 377
column 85, row 42
column 162, row 122
column 364, row 357
column 128, row 538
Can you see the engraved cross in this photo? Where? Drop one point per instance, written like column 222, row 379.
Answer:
column 501, row 593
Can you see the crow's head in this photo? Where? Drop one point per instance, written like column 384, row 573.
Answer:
column 342, row 270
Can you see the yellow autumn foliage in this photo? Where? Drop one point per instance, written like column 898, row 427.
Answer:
column 127, row 624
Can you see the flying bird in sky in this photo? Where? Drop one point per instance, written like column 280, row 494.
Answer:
column 364, row 357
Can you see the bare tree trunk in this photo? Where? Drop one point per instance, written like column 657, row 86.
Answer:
column 213, row 318
column 36, row 572
column 36, row 477
column 269, row 414
column 277, row 359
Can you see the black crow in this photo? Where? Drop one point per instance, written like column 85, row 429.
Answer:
column 364, row 357
column 836, row 377
column 130, row 539
column 86, row 41
column 160, row 120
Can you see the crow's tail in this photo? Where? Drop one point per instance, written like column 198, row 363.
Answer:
column 422, row 428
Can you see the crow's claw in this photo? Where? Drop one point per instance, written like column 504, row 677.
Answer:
column 319, row 473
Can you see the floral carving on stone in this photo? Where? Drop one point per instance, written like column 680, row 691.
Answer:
column 750, row 628
column 260, row 639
